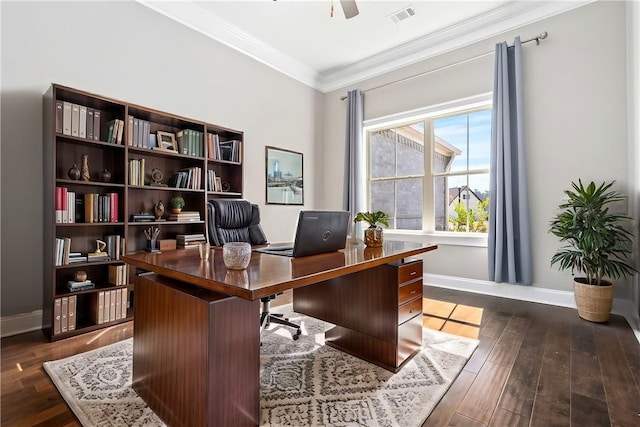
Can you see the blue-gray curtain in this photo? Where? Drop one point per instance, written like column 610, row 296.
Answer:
column 509, row 240
column 353, row 199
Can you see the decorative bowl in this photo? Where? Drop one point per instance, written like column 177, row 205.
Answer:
column 236, row 255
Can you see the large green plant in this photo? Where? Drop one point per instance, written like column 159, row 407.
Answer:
column 597, row 244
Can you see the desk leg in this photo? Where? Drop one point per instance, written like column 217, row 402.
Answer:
column 196, row 354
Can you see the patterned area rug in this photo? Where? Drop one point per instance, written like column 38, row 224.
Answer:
column 302, row 382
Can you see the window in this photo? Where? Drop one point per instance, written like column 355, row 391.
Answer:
column 431, row 172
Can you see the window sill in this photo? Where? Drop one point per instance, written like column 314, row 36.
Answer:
column 453, row 239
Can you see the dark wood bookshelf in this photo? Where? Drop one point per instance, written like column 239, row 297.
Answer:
column 62, row 150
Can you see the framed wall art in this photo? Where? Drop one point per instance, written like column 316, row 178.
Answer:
column 284, row 177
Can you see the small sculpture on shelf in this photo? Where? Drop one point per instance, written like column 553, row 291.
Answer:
column 74, row 172
column 156, row 176
column 85, row 168
column 159, row 210
column 106, row 176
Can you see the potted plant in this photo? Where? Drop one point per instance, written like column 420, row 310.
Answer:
column 176, row 203
column 596, row 245
column 373, row 234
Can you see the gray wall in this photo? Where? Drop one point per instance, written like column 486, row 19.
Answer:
column 125, row 51
column 576, row 120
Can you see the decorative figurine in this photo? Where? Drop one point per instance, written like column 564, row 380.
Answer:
column 159, row 210
column 106, row 176
column 74, row 172
column 85, row 168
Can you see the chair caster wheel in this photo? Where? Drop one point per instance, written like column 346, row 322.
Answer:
column 295, row 337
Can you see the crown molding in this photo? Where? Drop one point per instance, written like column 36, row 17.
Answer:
column 190, row 14
column 512, row 15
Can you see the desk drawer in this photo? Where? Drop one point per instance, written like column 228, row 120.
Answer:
column 407, row 272
column 409, row 310
column 410, row 291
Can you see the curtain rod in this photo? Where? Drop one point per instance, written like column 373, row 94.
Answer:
column 536, row 39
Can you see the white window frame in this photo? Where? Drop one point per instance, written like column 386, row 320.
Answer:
column 427, row 234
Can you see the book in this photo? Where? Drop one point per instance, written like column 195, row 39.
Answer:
column 57, row 317
column 88, row 207
column 120, row 131
column 82, row 124
column 84, row 287
column 113, row 210
column 112, row 305
column 71, row 315
column 89, row 123
column 96, row 307
column 66, row 118
column 59, row 111
column 130, row 130
column 124, row 297
column 96, row 125
column 64, row 313
column 75, row 119
column 134, row 137
column 97, row 256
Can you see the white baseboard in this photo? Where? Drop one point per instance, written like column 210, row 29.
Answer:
column 27, row 322
column 622, row 307
column 21, row 323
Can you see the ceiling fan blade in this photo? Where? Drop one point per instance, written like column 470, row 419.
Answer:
column 349, row 8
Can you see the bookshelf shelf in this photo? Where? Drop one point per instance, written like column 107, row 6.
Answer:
column 120, row 141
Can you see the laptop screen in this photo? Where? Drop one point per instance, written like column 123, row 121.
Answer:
column 317, row 232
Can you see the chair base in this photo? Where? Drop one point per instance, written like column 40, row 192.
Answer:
column 266, row 317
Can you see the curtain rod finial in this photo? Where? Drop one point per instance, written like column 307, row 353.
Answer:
column 543, row 35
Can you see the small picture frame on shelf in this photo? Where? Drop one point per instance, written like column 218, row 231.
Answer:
column 166, row 141
column 218, row 184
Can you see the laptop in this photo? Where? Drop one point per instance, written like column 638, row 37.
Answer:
column 317, row 232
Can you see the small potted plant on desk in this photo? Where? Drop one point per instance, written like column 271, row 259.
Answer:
column 597, row 245
column 176, row 203
column 373, row 235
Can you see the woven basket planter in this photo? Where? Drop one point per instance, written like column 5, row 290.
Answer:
column 593, row 302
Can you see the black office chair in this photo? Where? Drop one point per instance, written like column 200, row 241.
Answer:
column 238, row 220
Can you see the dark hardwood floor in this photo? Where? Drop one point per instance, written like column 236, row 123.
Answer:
column 536, row 365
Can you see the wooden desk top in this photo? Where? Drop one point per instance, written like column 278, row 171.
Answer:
column 268, row 274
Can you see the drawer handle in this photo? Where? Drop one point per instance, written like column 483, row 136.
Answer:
column 412, row 292
column 413, row 273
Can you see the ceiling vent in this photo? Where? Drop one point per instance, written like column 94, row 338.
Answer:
column 403, row 14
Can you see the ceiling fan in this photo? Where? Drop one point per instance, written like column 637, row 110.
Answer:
column 349, row 7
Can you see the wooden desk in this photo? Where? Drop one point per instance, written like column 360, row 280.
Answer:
column 196, row 345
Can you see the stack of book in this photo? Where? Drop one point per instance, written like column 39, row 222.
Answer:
column 77, row 120
column 64, row 314
column 136, row 171
column 185, row 216
column 138, row 132
column 115, row 246
column 115, row 130
column 110, row 305
column 190, row 142
column 119, row 274
column 98, row 256
column 75, row 286
column 190, row 240
column 76, row 257
column 186, row 178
